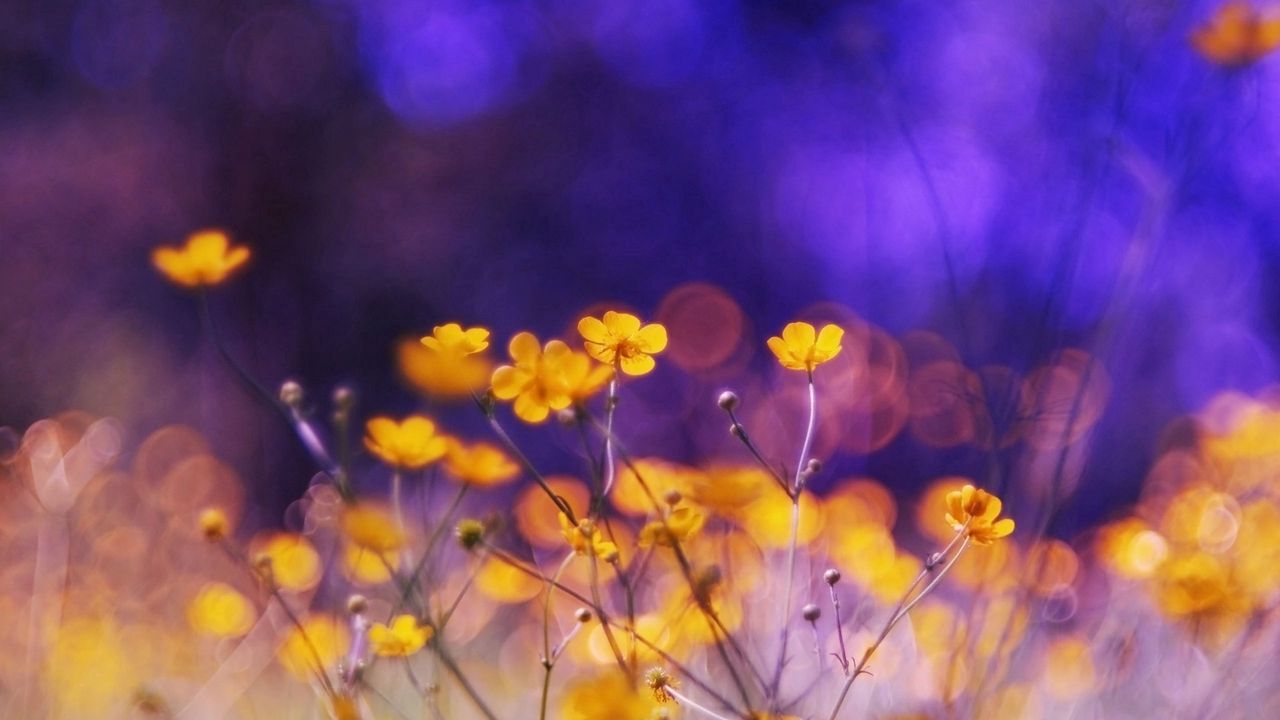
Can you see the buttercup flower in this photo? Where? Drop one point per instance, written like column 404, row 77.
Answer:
column 978, row 509
column 402, row 638
column 803, row 348
column 682, row 524
column 205, row 260
column 580, row 377
column 619, row 340
column 410, row 444
column 372, row 528
column 291, row 561
column 221, row 611
column 1236, row 35
column 542, row 379
column 586, row 538
column 660, row 682
column 480, row 463
column 321, row 639
column 451, row 338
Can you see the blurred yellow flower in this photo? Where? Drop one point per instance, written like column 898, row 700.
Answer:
column 586, row 538
column 619, row 340
column 451, row 338
column 321, row 639
column 371, row 527
column 682, row 524
column 368, row 567
column 213, row 524
column 542, row 379
column 978, row 510
column 1237, row 34
column 608, row 696
column 442, row 373
column 480, row 463
column 501, row 581
column 1197, row 583
column 803, row 348
column 221, row 611
column 402, row 638
column 206, row 259
column 294, row 564
column 410, row 444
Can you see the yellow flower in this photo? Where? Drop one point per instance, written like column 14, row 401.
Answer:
column 402, row 638
column 443, row 373
column 221, row 611
column 320, row 639
column 205, row 260
column 606, row 696
column 368, row 567
column 542, row 379
column 977, row 509
column 480, row 463
column 371, row 527
column 294, row 564
column 451, row 338
column 410, row 444
column 213, row 524
column 586, row 538
column 660, row 682
column 618, row 339
column 682, row 524
column 1237, row 35
column 803, row 348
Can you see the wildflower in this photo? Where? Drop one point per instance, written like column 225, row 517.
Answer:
column 546, row 378
column 585, row 538
column 660, row 682
column 975, row 511
column 606, row 696
column 803, row 348
column 371, row 527
column 447, row 372
column 1237, row 35
column 319, row 639
column 619, row 340
column 289, row 560
column 402, row 638
column 213, row 524
column 221, row 611
column 480, row 463
column 368, row 567
column 410, row 444
column 682, row 524
column 450, row 338
column 470, row 533
column 205, row 260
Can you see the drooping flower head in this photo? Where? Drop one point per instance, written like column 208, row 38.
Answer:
column 410, row 444
column 977, row 510
column 619, row 340
column 206, row 259
column 1237, row 35
column 683, row 523
column 586, row 539
column 801, row 347
column 402, row 638
column 545, row 378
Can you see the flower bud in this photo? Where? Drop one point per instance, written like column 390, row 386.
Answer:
column 831, row 576
column 672, row 497
column 811, row 612
column 728, row 401
column 344, row 398
column 291, row 393
column 213, row 524
column 583, row 615
column 357, row 604
column 470, row 533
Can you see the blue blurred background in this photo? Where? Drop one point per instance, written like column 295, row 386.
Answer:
column 1018, row 178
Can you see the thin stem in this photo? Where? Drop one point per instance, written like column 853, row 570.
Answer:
column 549, row 661
column 428, row 553
column 511, row 446
column 844, row 653
column 463, row 682
column 740, row 431
column 688, row 702
column 611, row 404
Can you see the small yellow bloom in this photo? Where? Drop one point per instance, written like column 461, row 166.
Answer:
column 977, row 509
column 294, row 564
column 619, row 340
column 402, row 638
column 682, row 524
column 1237, row 35
column 586, row 538
column 322, row 639
column 452, row 339
column 660, row 682
column 803, row 348
column 546, row 378
column 480, row 463
column 368, row 567
column 442, row 373
column 410, row 444
column 205, row 260
column 221, row 611
column 371, row 527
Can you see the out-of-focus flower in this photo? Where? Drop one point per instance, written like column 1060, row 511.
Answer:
column 221, row 611
column 443, row 373
column 542, row 379
column 206, row 259
column 660, row 682
column 320, row 640
column 480, row 463
column 345, row 707
column 501, row 581
column 726, row 489
column 451, row 338
column 291, row 561
column 1197, row 583
column 368, row 567
column 619, row 340
column 470, row 533
column 371, row 527
column 402, row 638
column 801, row 347
column 213, row 524
column 585, row 538
column 682, row 524
column 1237, row 34
column 977, row 511
column 608, row 696
column 410, row 444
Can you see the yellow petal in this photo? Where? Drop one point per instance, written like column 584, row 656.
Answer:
column 621, row 325
column 592, row 330
column 651, row 338
column 524, row 348
column 829, row 339
column 1002, row 528
column 799, row 336
column 509, row 382
column 530, row 408
column 636, row 364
